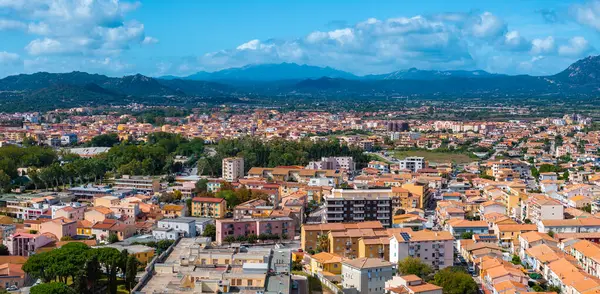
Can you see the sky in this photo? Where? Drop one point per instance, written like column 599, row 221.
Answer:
column 181, row 37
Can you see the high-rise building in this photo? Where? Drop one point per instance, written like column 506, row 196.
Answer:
column 359, row 205
column 233, row 168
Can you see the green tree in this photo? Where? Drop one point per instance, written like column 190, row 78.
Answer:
column 112, row 238
column 414, row 266
column 52, row 288
column 105, row 140
column 110, row 259
column 551, row 233
column 131, row 272
column 553, row 288
column 587, row 208
column 210, row 231
column 516, row 259
column 4, row 181
column 188, row 206
column 4, row 250
column 202, row 186
column 455, row 281
column 66, row 238
column 466, row 235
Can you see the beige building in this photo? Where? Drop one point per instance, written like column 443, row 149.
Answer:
column 233, row 168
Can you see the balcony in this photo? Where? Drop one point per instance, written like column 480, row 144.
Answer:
column 335, row 211
column 359, row 205
column 383, row 204
column 335, row 204
column 334, row 218
column 359, row 211
column 383, row 217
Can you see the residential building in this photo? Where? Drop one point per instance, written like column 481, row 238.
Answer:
column 209, row 207
column 334, row 163
column 59, row 227
column 143, row 184
column 582, row 225
column 434, row 248
column 233, row 168
column 359, row 205
column 182, row 226
column 457, row 227
column 70, row 212
column 173, row 210
column 24, row 244
column 413, row 163
column 326, row 264
column 310, row 234
column 540, row 207
column 142, row 253
column 410, row 284
column 367, row 275
column 283, row 227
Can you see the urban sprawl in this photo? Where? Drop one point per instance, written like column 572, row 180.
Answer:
column 265, row 201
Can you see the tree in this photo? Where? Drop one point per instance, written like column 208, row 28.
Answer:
column 188, row 206
column 110, row 260
column 553, row 288
column 229, row 239
column 112, row 238
column 105, row 140
column 4, row 250
column 210, row 231
column 414, row 266
column 66, row 238
column 527, row 221
column 466, row 235
column 131, row 272
column 551, row 233
column 4, row 181
column 202, row 186
column 455, row 281
column 516, row 259
column 51, row 288
column 587, row 208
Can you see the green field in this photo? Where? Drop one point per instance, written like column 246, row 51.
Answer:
column 433, row 156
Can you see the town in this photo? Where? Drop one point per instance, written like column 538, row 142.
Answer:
column 299, row 202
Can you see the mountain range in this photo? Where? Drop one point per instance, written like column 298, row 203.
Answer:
column 41, row 91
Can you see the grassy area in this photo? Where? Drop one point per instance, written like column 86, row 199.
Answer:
column 433, row 156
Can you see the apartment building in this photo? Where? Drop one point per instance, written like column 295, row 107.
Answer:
column 283, row 227
column 540, row 207
column 233, row 168
column 60, row 227
column 89, row 192
column 310, row 234
column 457, row 227
column 209, row 207
column 367, row 275
column 433, row 248
column 24, row 244
column 581, row 225
column 182, row 226
column 411, row 284
column 413, row 163
column 300, row 175
column 334, row 163
column 359, row 205
column 141, row 184
column 508, row 169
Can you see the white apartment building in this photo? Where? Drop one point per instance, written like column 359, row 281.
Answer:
column 433, row 248
column 233, row 168
column 413, row 163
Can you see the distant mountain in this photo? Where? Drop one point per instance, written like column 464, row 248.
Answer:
column 269, row 72
column 584, row 71
column 417, row 74
column 42, row 91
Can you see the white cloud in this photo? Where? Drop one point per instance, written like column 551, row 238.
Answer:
column 543, row 46
column 577, row 47
column 8, row 58
column 9, row 24
column 514, row 41
column 45, row 46
column 587, row 14
column 84, row 27
column 487, row 25
column 149, row 40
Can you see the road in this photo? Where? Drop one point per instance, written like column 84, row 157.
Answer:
column 302, row 283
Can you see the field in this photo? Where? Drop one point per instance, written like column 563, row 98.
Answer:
column 433, row 156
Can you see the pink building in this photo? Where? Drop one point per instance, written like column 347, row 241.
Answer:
column 72, row 213
column 282, row 226
column 24, row 244
column 60, row 227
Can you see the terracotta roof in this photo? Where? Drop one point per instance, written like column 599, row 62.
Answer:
column 207, row 199
column 365, row 262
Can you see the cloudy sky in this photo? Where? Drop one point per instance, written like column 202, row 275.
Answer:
column 159, row 37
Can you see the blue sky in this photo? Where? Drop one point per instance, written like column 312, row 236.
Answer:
column 180, row 37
